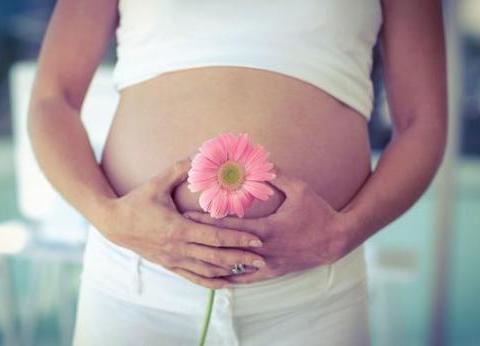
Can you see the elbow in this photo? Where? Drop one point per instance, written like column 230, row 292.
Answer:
column 431, row 132
column 43, row 113
column 36, row 106
column 46, row 99
column 38, row 118
column 436, row 129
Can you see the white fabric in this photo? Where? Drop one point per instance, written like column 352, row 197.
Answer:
column 339, row 320
column 124, row 298
column 326, row 43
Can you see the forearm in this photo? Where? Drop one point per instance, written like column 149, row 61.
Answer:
column 64, row 153
column 404, row 171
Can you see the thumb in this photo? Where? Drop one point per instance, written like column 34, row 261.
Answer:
column 174, row 175
column 285, row 182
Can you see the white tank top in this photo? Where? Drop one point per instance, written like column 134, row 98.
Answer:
column 327, row 43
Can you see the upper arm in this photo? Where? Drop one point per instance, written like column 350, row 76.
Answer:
column 413, row 51
column 74, row 44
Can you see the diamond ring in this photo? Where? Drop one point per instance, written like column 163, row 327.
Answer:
column 238, row 268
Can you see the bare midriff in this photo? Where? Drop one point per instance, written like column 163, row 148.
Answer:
column 309, row 134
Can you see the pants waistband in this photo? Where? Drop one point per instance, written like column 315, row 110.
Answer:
column 126, row 275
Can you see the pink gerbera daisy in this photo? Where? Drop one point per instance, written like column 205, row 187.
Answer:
column 231, row 173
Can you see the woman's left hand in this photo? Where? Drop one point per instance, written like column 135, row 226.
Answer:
column 304, row 232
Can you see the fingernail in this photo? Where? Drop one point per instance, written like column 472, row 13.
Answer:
column 258, row 263
column 255, row 243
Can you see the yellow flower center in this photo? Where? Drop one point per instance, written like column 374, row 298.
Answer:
column 231, row 175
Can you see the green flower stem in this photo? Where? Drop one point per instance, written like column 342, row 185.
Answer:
column 211, row 295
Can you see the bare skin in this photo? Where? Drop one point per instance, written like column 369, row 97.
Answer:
column 313, row 138
column 179, row 110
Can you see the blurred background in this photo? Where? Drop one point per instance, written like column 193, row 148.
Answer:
column 424, row 268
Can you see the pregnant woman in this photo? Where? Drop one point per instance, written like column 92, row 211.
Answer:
column 294, row 76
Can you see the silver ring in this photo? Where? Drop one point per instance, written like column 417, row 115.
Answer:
column 238, row 268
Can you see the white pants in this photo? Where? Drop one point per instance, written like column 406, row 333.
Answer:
column 126, row 300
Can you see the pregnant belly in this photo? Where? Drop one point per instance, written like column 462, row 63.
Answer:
column 309, row 134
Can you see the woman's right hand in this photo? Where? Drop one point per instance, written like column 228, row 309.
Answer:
column 146, row 221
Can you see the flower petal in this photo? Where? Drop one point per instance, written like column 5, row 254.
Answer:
column 246, row 198
column 229, row 142
column 213, row 149
column 259, row 190
column 259, row 166
column 238, row 203
column 261, row 176
column 243, row 144
column 207, row 196
column 219, row 205
column 246, row 154
column 258, row 155
column 196, row 175
column 202, row 185
column 201, row 162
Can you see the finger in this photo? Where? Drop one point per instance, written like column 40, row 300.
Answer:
column 224, row 258
column 246, row 278
column 292, row 187
column 213, row 283
column 287, row 183
column 207, row 269
column 173, row 176
column 202, row 268
column 258, row 226
column 219, row 237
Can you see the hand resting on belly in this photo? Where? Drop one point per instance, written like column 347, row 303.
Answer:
column 146, row 221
